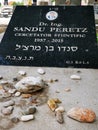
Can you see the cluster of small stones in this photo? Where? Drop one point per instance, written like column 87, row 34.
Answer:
column 80, row 114
column 23, row 88
column 9, row 92
column 8, row 107
column 58, row 110
column 26, row 115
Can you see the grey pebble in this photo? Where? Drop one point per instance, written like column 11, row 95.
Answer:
column 15, row 119
column 7, row 111
column 59, row 117
column 9, row 103
column 6, row 95
column 30, row 110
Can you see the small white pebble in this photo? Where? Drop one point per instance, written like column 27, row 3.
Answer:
column 21, row 72
column 12, row 91
column 67, row 89
column 3, row 82
column 60, row 108
column 27, row 117
column 17, row 94
column 57, row 91
column 75, row 77
column 41, row 71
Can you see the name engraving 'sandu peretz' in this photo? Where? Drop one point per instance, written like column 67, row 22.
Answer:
column 51, row 29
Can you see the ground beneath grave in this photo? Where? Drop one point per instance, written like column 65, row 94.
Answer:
column 83, row 93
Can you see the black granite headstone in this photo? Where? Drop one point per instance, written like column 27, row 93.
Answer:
column 53, row 36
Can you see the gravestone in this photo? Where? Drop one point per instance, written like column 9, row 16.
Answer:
column 52, row 36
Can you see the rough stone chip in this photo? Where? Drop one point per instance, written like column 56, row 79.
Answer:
column 30, row 84
column 82, row 114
